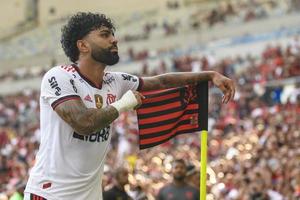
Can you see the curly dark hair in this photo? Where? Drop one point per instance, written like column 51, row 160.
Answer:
column 78, row 26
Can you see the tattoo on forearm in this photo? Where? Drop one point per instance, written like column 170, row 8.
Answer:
column 85, row 120
column 177, row 79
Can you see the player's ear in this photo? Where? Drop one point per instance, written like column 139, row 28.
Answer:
column 83, row 46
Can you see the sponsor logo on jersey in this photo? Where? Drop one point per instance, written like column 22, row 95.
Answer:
column 73, row 84
column 110, row 99
column 98, row 101
column 88, row 98
column 99, row 136
column 108, row 79
column 54, row 85
column 127, row 77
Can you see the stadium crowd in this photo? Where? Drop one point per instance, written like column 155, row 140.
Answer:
column 154, row 24
column 254, row 145
column 223, row 12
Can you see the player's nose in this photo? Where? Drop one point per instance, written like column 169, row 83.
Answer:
column 114, row 40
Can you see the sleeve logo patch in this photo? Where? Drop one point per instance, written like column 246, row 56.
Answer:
column 127, row 77
column 73, row 84
column 54, row 85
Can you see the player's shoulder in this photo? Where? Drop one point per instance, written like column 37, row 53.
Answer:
column 61, row 70
column 122, row 76
column 110, row 74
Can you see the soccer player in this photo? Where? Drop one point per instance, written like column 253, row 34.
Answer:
column 78, row 103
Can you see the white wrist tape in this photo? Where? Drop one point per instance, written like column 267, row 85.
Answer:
column 127, row 102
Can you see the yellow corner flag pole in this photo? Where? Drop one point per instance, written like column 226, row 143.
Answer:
column 203, row 165
column 202, row 93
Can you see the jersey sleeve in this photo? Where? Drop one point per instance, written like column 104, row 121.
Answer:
column 57, row 87
column 127, row 82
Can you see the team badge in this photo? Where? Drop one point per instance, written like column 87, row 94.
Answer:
column 110, row 99
column 98, row 101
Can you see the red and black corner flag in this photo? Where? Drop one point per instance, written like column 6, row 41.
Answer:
column 167, row 113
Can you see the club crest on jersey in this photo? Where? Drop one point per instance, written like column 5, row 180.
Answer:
column 98, row 101
column 110, row 99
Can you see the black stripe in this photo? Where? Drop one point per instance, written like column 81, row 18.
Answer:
column 168, row 121
column 164, row 93
column 202, row 98
column 161, row 133
column 145, row 146
column 53, row 105
column 160, row 103
column 141, row 83
column 31, row 196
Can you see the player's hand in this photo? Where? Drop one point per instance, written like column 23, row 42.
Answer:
column 139, row 98
column 130, row 100
column 226, row 85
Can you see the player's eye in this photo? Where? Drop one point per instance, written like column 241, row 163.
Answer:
column 105, row 35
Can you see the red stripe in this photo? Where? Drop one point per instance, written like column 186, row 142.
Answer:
column 161, row 98
column 167, row 116
column 63, row 100
column 159, row 108
column 167, row 126
column 163, row 137
column 34, row 197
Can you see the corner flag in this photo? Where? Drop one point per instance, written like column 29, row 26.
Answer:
column 167, row 113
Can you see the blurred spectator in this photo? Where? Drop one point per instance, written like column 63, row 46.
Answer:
column 18, row 194
column 139, row 194
column 172, row 4
column 178, row 189
column 193, row 176
column 117, row 192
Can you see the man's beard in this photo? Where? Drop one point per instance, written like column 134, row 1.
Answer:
column 105, row 56
column 179, row 177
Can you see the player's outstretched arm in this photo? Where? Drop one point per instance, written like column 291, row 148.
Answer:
column 86, row 121
column 178, row 79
